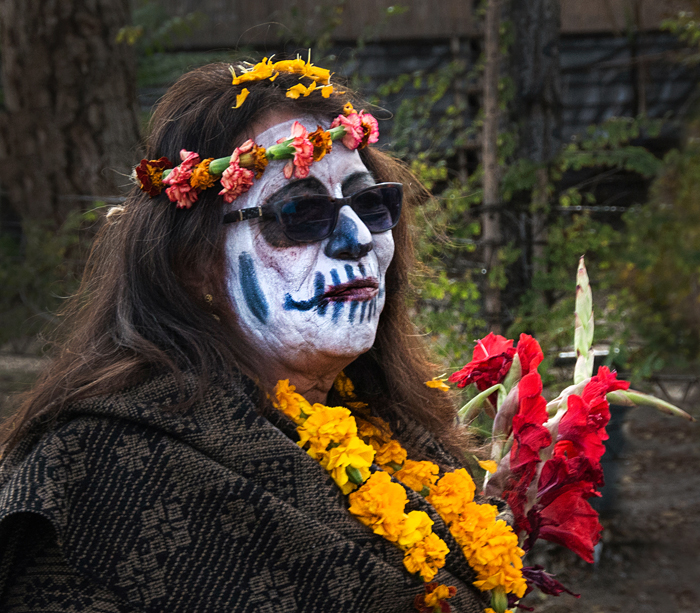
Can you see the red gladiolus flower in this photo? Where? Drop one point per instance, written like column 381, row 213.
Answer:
column 491, row 361
column 530, row 437
column 568, row 520
column 530, row 353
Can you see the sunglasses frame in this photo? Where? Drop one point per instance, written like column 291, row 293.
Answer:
column 273, row 210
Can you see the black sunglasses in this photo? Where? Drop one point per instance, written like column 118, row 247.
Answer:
column 307, row 219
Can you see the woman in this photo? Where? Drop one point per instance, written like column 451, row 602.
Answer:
column 147, row 470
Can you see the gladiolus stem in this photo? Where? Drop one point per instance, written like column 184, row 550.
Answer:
column 475, row 403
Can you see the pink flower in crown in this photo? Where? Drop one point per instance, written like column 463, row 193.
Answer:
column 237, row 180
column 354, row 130
column 303, row 153
column 370, row 129
column 180, row 190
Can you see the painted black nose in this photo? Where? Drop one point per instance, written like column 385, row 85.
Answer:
column 346, row 242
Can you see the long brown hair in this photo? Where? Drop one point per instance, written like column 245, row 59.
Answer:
column 141, row 310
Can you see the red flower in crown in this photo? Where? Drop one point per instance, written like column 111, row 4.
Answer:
column 370, row 129
column 150, row 175
column 178, row 180
column 237, row 180
column 490, row 363
column 354, row 130
column 303, row 153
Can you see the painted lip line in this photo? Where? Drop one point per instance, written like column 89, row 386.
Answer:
column 357, row 289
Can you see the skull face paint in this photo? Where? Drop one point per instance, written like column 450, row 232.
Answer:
column 308, row 307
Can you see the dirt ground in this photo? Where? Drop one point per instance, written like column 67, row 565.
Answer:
column 649, row 560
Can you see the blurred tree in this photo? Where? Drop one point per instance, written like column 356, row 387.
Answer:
column 70, row 121
column 536, row 75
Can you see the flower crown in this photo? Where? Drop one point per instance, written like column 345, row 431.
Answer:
column 184, row 182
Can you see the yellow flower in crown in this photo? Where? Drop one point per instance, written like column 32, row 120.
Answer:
column 379, row 503
column 390, row 453
column 290, row 403
column 352, row 453
column 426, row 557
column 418, row 475
column 331, row 425
column 452, row 493
column 261, row 71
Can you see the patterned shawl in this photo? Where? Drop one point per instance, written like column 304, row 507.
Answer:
column 210, row 509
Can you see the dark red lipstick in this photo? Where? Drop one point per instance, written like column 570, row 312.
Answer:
column 357, row 289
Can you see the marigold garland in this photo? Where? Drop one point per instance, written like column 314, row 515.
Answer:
column 347, row 447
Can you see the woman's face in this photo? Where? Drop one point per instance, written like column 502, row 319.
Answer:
column 308, row 305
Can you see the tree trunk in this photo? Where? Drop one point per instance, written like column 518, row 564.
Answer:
column 490, row 219
column 70, row 124
column 537, row 76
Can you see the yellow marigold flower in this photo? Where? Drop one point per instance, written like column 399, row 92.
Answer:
column 452, row 493
column 259, row 160
column 379, row 504
column 240, row 98
column 319, row 75
column 391, row 451
column 426, row 557
column 440, row 593
column 342, row 383
column 261, row 71
column 416, row 526
column 300, row 90
column 418, row 475
column 291, row 403
column 352, row 453
column 348, row 109
column 438, row 384
column 323, row 427
column 200, row 177
column 297, row 66
column 489, row 466
column 472, row 522
column 494, row 555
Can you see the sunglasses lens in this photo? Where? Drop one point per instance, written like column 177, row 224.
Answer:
column 312, row 218
column 308, row 219
column 379, row 207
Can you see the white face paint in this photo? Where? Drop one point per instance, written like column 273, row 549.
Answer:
column 308, row 307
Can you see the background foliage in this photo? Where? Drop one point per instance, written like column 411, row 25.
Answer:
column 644, row 270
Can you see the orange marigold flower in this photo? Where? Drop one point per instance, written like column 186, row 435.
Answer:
column 379, row 504
column 452, row 493
column 260, row 160
column 390, row 452
column 291, row 403
column 433, row 600
column 416, row 526
column 418, row 475
column 201, row 178
column 426, row 557
column 348, row 109
column 352, row 453
column 474, row 519
column 322, row 142
column 331, row 425
column 150, row 175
